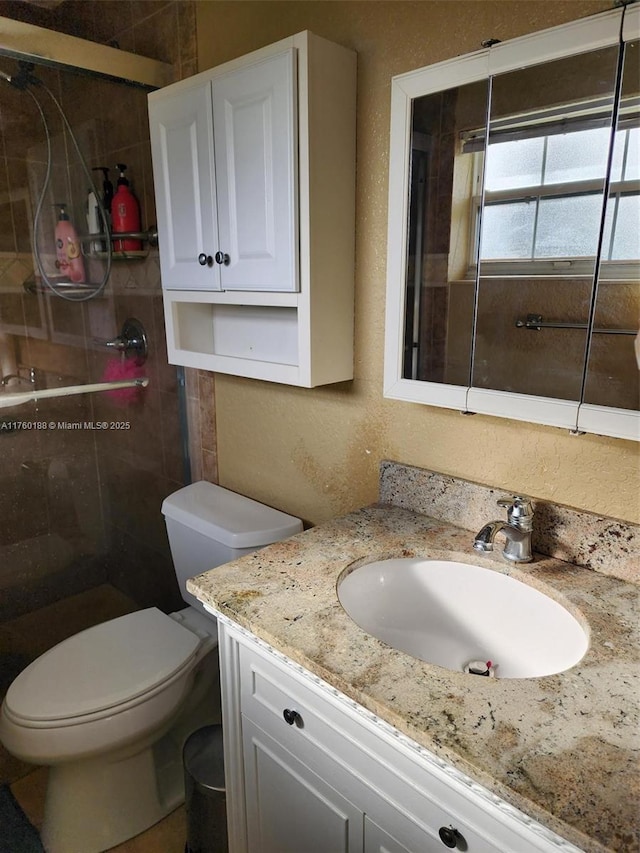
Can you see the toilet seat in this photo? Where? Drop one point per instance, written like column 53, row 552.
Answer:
column 136, row 655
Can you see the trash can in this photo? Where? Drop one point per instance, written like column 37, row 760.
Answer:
column 205, row 796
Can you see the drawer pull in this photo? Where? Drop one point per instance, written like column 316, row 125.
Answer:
column 205, row 260
column 292, row 717
column 451, row 838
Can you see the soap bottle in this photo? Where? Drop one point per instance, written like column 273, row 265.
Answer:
column 69, row 257
column 125, row 214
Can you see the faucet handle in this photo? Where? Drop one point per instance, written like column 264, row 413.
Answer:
column 519, row 510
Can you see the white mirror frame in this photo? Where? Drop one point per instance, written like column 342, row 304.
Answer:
column 580, row 36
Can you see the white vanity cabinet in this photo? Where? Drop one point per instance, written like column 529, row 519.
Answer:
column 254, row 175
column 309, row 769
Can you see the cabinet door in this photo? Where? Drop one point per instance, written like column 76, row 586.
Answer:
column 184, row 179
column 290, row 809
column 255, row 133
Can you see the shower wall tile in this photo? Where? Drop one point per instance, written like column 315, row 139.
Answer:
column 112, row 21
column 210, row 466
column 188, row 44
column 7, row 243
column 11, row 313
column 58, row 359
column 156, row 36
column 206, row 385
column 7, row 236
column 200, row 390
column 19, row 11
column 20, row 205
column 192, row 395
column 125, row 119
column 35, row 319
column 19, row 491
column 76, row 16
column 143, row 574
column 143, row 9
column 172, row 449
column 165, row 373
column 135, row 497
column 147, row 196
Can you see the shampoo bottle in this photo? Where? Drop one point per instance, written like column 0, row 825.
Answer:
column 69, row 258
column 125, row 214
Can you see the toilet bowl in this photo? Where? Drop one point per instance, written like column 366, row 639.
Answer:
column 109, row 709
column 112, row 743
column 57, row 710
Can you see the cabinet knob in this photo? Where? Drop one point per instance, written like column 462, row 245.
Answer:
column 222, row 258
column 205, row 260
column 451, row 838
column 292, row 717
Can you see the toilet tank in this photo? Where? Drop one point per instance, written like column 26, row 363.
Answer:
column 208, row 526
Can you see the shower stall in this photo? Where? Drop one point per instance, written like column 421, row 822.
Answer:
column 82, row 477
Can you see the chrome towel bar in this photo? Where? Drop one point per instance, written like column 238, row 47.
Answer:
column 535, row 322
column 17, row 398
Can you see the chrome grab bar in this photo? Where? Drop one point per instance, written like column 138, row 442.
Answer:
column 535, row 322
column 17, row 398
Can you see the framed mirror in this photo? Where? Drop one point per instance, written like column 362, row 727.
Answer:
column 513, row 284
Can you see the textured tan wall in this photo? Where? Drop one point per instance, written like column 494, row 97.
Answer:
column 316, row 453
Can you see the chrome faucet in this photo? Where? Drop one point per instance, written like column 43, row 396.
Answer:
column 517, row 530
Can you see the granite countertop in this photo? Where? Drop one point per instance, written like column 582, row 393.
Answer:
column 562, row 748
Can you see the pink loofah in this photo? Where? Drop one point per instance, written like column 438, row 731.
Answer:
column 118, row 369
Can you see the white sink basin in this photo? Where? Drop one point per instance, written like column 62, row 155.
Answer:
column 453, row 614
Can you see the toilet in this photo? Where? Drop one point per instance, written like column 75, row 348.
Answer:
column 109, row 709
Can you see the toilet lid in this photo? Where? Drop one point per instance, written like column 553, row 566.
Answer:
column 102, row 667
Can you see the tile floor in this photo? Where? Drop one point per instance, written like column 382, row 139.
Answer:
column 21, row 641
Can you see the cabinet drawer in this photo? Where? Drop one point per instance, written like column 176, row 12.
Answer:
column 309, row 719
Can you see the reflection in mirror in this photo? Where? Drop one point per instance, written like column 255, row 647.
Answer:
column 612, row 377
column 545, row 172
column 444, row 180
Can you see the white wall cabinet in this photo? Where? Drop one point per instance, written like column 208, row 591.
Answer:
column 254, row 175
column 308, row 769
column 225, row 155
